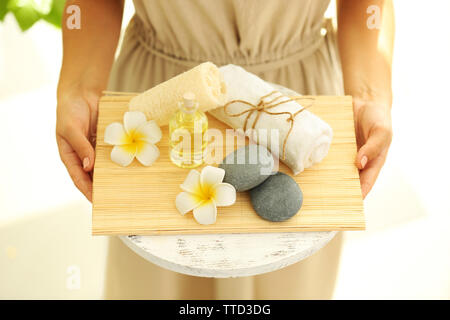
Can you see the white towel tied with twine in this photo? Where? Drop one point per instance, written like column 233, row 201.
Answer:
column 301, row 138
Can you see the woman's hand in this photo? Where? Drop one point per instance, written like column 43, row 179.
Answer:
column 366, row 59
column 84, row 74
column 75, row 134
column 373, row 135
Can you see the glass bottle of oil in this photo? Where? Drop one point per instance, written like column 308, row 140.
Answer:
column 187, row 134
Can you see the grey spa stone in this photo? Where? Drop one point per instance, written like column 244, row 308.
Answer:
column 247, row 167
column 278, row 198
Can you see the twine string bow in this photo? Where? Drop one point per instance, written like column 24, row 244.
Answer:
column 264, row 107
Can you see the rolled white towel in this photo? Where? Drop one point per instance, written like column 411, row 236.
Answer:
column 310, row 138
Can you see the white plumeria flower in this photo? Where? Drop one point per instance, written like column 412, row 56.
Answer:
column 135, row 138
column 203, row 193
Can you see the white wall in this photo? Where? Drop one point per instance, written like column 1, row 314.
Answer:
column 405, row 251
column 44, row 221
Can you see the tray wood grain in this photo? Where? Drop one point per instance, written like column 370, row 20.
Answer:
column 141, row 200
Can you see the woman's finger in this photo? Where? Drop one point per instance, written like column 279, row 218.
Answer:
column 369, row 174
column 379, row 138
column 80, row 178
column 83, row 148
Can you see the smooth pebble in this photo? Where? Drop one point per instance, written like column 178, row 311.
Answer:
column 247, row 167
column 278, row 198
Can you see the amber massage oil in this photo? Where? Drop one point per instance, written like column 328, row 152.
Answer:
column 187, row 134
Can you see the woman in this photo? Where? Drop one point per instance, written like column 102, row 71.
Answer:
column 282, row 42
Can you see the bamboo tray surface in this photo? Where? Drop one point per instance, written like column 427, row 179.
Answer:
column 141, row 200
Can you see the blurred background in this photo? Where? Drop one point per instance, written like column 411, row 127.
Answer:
column 45, row 236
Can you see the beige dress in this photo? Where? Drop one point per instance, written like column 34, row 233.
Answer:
column 283, row 41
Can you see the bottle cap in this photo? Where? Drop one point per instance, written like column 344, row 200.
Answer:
column 189, row 100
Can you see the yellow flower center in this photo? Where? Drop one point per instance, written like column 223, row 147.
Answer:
column 205, row 192
column 133, row 142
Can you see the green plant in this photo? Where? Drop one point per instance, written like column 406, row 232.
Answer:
column 27, row 12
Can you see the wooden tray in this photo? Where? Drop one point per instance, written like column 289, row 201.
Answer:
column 141, row 200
